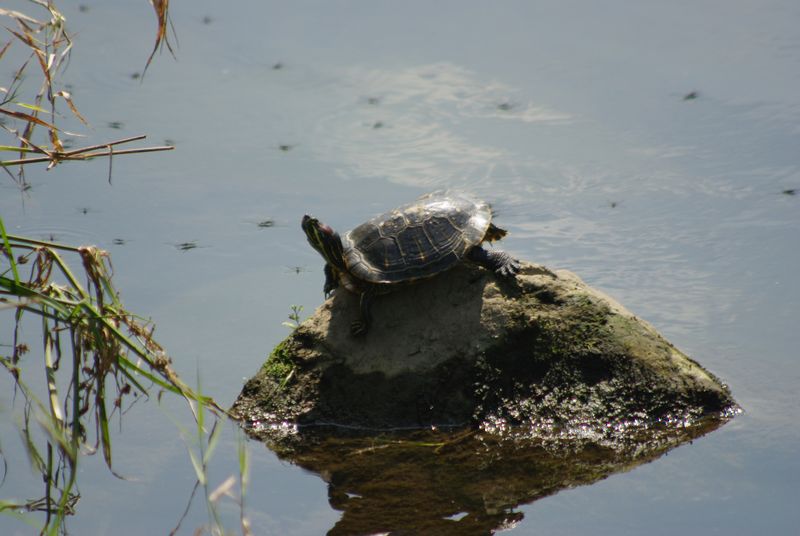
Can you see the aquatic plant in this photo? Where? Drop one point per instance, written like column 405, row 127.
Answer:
column 201, row 444
column 49, row 45
column 294, row 317
column 99, row 359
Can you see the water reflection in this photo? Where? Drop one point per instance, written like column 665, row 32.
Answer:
column 456, row 482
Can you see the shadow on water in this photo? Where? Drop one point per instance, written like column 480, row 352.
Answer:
column 460, row 481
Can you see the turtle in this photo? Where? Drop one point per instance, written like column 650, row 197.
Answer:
column 413, row 242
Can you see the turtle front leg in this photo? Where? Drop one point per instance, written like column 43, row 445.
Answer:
column 331, row 280
column 358, row 328
column 497, row 261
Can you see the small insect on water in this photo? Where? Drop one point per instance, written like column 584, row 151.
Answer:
column 187, row 246
column 297, row 269
column 262, row 223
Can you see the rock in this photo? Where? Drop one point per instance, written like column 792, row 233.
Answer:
column 504, row 392
column 546, row 354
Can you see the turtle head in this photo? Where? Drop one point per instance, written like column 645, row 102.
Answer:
column 325, row 240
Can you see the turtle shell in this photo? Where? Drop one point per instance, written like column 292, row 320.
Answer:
column 418, row 240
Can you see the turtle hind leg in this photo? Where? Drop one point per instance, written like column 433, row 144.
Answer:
column 497, row 261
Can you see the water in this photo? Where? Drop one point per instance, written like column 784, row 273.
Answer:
column 570, row 117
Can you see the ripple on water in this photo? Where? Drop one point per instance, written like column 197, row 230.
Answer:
column 59, row 234
column 431, row 121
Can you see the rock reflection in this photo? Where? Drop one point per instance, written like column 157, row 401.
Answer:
column 460, row 481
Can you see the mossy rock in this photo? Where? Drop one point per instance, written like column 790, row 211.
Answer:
column 546, row 354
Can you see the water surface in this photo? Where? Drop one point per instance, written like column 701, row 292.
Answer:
column 570, row 117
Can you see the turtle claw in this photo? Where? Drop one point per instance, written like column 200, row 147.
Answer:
column 499, row 262
column 328, row 290
column 358, row 328
column 331, row 281
column 509, row 267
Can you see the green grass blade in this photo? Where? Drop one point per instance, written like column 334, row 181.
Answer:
column 7, row 246
column 198, row 467
column 105, row 437
column 213, row 441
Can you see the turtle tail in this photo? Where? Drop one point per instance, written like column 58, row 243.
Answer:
column 494, row 233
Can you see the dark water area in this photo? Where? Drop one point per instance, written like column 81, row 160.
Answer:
column 650, row 148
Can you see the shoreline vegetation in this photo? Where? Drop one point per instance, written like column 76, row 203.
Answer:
column 49, row 46
column 98, row 358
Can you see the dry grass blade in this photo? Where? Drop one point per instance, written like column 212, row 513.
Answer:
column 26, row 38
column 161, row 8
column 68, row 98
column 4, row 49
column 27, row 117
column 17, row 15
column 49, row 43
column 83, row 153
column 223, row 489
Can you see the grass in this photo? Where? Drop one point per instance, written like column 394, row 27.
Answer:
column 48, row 46
column 201, row 444
column 98, row 358
column 110, row 354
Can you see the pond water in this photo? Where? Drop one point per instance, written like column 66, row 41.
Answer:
column 650, row 147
